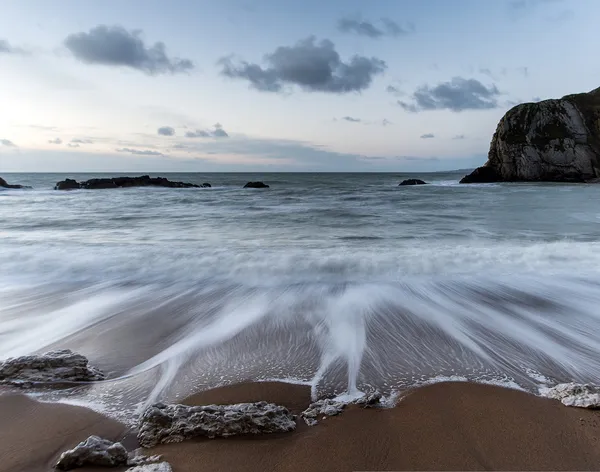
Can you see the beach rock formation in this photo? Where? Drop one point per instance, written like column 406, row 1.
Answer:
column 161, row 424
column 333, row 407
column 256, row 185
column 159, row 467
column 553, row 140
column 572, row 394
column 412, row 182
column 94, row 451
column 118, row 182
column 53, row 366
column 5, row 184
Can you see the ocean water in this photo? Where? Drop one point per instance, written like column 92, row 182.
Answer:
column 344, row 282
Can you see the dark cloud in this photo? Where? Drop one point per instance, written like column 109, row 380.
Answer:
column 388, row 27
column 7, row 143
column 137, row 152
column 314, row 67
column 55, row 141
column 428, row 136
column 71, row 145
column 351, row 119
column 115, row 46
column 7, row 48
column 218, row 132
column 166, row 131
column 458, row 94
column 197, row 134
column 82, row 141
column 460, row 136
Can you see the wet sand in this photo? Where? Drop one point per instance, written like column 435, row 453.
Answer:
column 446, row 426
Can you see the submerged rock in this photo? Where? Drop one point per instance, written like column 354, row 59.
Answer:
column 94, row 451
column 552, row 140
column 412, row 182
column 5, row 184
column 256, row 185
column 53, row 366
column 173, row 423
column 206, row 185
column 118, row 182
column 333, row 407
column 159, row 467
column 572, row 394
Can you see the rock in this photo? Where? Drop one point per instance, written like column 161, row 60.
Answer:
column 160, row 467
column 206, row 185
column 5, row 184
column 572, row 394
column 53, row 366
column 256, row 185
column 161, row 424
column 412, row 182
column 553, row 140
column 94, row 451
column 370, row 400
column 118, row 182
column 332, row 407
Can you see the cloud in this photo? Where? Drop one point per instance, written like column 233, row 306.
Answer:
column 137, row 152
column 351, row 119
column 312, row 66
column 457, row 95
column 366, row 28
column 7, row 143
column 166, row 131
column 197, row 134
column 82, row 141
column 393, row 90
column 218, row 132
column 115, row 46
column 7, row 48
column 386, row 122
column 428, row 136
column 460, row 136
column 71, row 145
column 55, row 141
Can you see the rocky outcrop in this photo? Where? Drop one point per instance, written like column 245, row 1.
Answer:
column 256, row 185
column 53, row 366
column 333, row 407
column 161, row 424
column 5, row 184
column 159, row 467
column 572, row 394
column 119, row 182
column 94, row 451
column 552, row 140
column 412, row 182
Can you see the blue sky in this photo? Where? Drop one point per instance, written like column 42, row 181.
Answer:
column 403, row 85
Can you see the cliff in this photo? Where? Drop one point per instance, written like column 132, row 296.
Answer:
column 553, row 140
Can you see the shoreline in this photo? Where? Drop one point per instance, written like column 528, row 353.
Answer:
column 441, row 426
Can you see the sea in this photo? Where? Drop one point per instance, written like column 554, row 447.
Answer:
column 344, row 282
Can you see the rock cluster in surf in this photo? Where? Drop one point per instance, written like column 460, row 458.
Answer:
column 412, row 182
column 118, row 182
column 161, row 424
column 552, row 140
column 53, row 366
column 5, row 184
column 333, row 407
column 572, row 394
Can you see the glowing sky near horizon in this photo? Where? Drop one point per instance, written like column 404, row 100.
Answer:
column 249, row 85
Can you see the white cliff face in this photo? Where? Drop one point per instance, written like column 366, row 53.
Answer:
column 546, row 141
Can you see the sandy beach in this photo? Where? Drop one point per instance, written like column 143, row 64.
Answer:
column 445, row 426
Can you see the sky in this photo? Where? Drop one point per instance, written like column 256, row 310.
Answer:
column 276, row 85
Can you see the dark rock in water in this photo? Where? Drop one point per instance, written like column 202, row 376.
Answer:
column 256, row 185
column 67, row 184
column 53, row 366
column 94, row 451
column 412, row 182
column 5, row 184
column 118, row 182
column 552, row 140
column 161, row 424
column 481, row 175
column 206, row 185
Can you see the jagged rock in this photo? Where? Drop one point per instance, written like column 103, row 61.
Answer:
column 553, row 140
column 332, row 407
column 256, row 185
column 94, row 451
column 53, row 366
column 173, row 423
column 5, row 184
column 412, row 182
column 572, row 394
column 159, row 467
column 118, row 182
